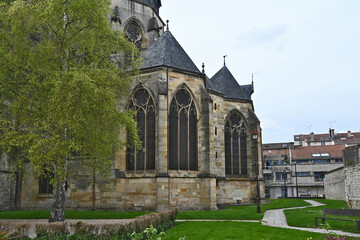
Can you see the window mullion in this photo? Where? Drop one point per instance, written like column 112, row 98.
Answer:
column 232, row 152
column 239, row 149
column 145, row 140
column 188, row 140
column 178, row 135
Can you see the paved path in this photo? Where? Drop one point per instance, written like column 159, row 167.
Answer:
column 276, row 218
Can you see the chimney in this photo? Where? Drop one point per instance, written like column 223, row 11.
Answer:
column 349, row 134
column 331, row 133
column 312, row 137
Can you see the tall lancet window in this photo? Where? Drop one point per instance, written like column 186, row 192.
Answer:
column 143, row 105
column 183, row 132
column 235, row 145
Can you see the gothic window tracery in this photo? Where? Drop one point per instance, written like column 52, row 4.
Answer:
column 183, row 132
column 133, row 33
column 235, row 145
column 143, row 106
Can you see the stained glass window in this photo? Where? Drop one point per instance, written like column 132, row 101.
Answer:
column 143, row 106
column 235, row 145
column 183, row 132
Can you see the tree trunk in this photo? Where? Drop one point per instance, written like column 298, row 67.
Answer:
column 18, row 190
column 58, row 206
column 93, row 192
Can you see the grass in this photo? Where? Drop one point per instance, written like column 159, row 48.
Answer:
column 245, row 212
column 234, row 230
column 71, row 214
column 306, row 217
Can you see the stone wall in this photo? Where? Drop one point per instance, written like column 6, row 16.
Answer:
column 352, row 186
column 193, row 193
column 7, row 184
column 235, row 191
column 141, row 14
column 334, row 184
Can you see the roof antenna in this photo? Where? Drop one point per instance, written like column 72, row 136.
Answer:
column 167, row 25
column 225, row 56
column 203, row 68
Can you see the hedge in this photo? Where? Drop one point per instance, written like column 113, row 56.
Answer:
column 162, row 219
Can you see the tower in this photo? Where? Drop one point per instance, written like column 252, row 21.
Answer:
column 139, row 19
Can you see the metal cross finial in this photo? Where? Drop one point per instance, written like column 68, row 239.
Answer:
column 252, row 77
column 203, row 68
column 167, row 25
column 225, row 56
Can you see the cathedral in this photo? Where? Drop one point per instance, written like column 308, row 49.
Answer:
column 200, row 136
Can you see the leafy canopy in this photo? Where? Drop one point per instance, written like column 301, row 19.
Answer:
column 63, row 74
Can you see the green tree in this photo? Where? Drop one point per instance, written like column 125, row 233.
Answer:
column 63, row 76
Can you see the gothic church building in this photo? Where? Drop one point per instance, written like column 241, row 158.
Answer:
column 197, row 132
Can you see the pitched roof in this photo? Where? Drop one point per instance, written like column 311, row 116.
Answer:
column 166, row 51
column 154, row 4
column 307, row 152
column 339, row 138
column 224, row 82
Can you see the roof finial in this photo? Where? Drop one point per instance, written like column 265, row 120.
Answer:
column 252, row 77
column 225, row 56
column 203, row 68
column 167, row 25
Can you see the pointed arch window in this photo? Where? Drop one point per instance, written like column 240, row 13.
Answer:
column 143, row 105
column 183, row 132
column 235, row 145
column 133, row 33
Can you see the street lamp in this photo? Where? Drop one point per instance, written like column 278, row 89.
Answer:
column 255, row 136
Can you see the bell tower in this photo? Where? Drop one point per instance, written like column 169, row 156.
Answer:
column 139, row 19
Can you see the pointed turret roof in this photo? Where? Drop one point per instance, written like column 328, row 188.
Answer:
column 166, row 51
column 225, row 83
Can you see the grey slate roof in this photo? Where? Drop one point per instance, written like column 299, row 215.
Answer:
column 166, row 51
column 154, row 4
column 225, row 83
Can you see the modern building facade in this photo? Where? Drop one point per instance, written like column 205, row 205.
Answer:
column 297, row 169
column 201, row 137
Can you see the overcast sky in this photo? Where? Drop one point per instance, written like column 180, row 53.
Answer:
column 304, row 54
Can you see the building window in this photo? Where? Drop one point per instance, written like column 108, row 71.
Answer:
column 215, row 106
column 215, row 131
column 302, row 174
column 143, row 106
column 319, row 176
column 280, row 176
column 321, row 161
column 183, row 132
column 45, row 187
column 133, row 33
column 235, row 145
column 278, row 151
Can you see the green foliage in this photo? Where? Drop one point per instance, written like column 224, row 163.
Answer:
column 305, row 217
column 63, row 74
column 234, row 230
column 242, row 212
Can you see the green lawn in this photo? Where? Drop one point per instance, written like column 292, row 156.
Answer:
column 71, row 214
column 234, row 230
column 245, row 212
column 306, row 217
